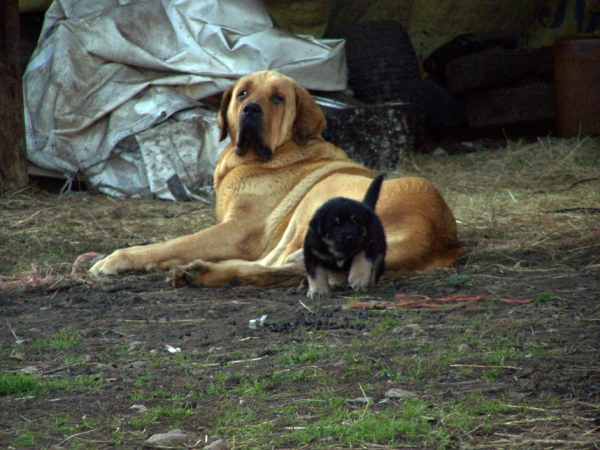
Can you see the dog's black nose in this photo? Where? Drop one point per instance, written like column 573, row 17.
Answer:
column 251, row 109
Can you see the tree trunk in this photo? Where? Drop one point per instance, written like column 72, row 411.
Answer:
column 13, row 156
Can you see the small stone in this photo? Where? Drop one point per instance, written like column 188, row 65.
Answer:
column 360, row 400
column 439, row 152
column 414, row 327
column 17, row 355
column 29, row 370
column 139, row 364
column 173, row 438
column 399, row 393
column 139, row 408
column 134, row 345
column 516, row 395
column 217, row 445
column 464, row 348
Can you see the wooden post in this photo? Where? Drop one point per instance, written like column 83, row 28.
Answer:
column 13, row 155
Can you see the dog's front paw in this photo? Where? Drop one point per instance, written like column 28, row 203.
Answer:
column 113, row 264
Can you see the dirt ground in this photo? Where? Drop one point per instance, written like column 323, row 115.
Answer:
column 113, row 361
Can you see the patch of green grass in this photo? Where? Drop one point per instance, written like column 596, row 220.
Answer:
column 302, row 353
column 64, row 338
column 152, row 415
column 543, row 297
column 498, row 355
column 458, row 280
column 388, row 321
column 70, row 383
column 410, row 369
column 490, row 375
column 17, row 384
column 142, row 380
column 137, row 395
column 26, row 439
column 537, row 351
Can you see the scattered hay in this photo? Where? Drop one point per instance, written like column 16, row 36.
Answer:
column 540, row 200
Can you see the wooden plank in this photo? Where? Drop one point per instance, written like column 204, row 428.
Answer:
column 13, row 155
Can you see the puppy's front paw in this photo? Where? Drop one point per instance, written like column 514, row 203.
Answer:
column 324, row 295
column 360, row 272
column 336, row 279
column 318, row 289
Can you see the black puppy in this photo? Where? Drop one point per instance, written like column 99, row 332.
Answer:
column 345, row 240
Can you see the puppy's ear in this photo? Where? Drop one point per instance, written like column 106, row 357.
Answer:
column 315, row 224
column 222, row 116
column 310, row 120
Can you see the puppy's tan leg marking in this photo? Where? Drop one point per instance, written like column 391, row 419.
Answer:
column 337, row 278
column 360, row 272
column 317, row 287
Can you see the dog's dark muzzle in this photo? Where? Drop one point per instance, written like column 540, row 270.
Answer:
column 251, row 131
column 251, row 110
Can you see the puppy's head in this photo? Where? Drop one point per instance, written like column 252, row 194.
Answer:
column 264, row 110
column 342, row 224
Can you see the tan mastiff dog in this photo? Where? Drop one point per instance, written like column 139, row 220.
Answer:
column 271, row 178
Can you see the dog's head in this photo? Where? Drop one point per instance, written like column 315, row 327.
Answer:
column 343, row 225
column 264, row 110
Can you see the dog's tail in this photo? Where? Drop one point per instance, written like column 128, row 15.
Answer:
column 372, row 194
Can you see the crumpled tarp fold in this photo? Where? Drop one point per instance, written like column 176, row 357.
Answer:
column 104, row 86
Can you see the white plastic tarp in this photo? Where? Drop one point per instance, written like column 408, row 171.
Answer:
column 113, row 91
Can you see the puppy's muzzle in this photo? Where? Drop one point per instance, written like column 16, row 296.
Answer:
column 251, row 132
column 346, row 242
column 349, row 238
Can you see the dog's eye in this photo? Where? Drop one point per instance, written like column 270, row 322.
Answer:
column 277, row 99
column 337, row 220
column 242, row 94
column 353, row 219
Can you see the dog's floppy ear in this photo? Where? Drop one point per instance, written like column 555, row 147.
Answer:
column 222, row 117
column 310, row 120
